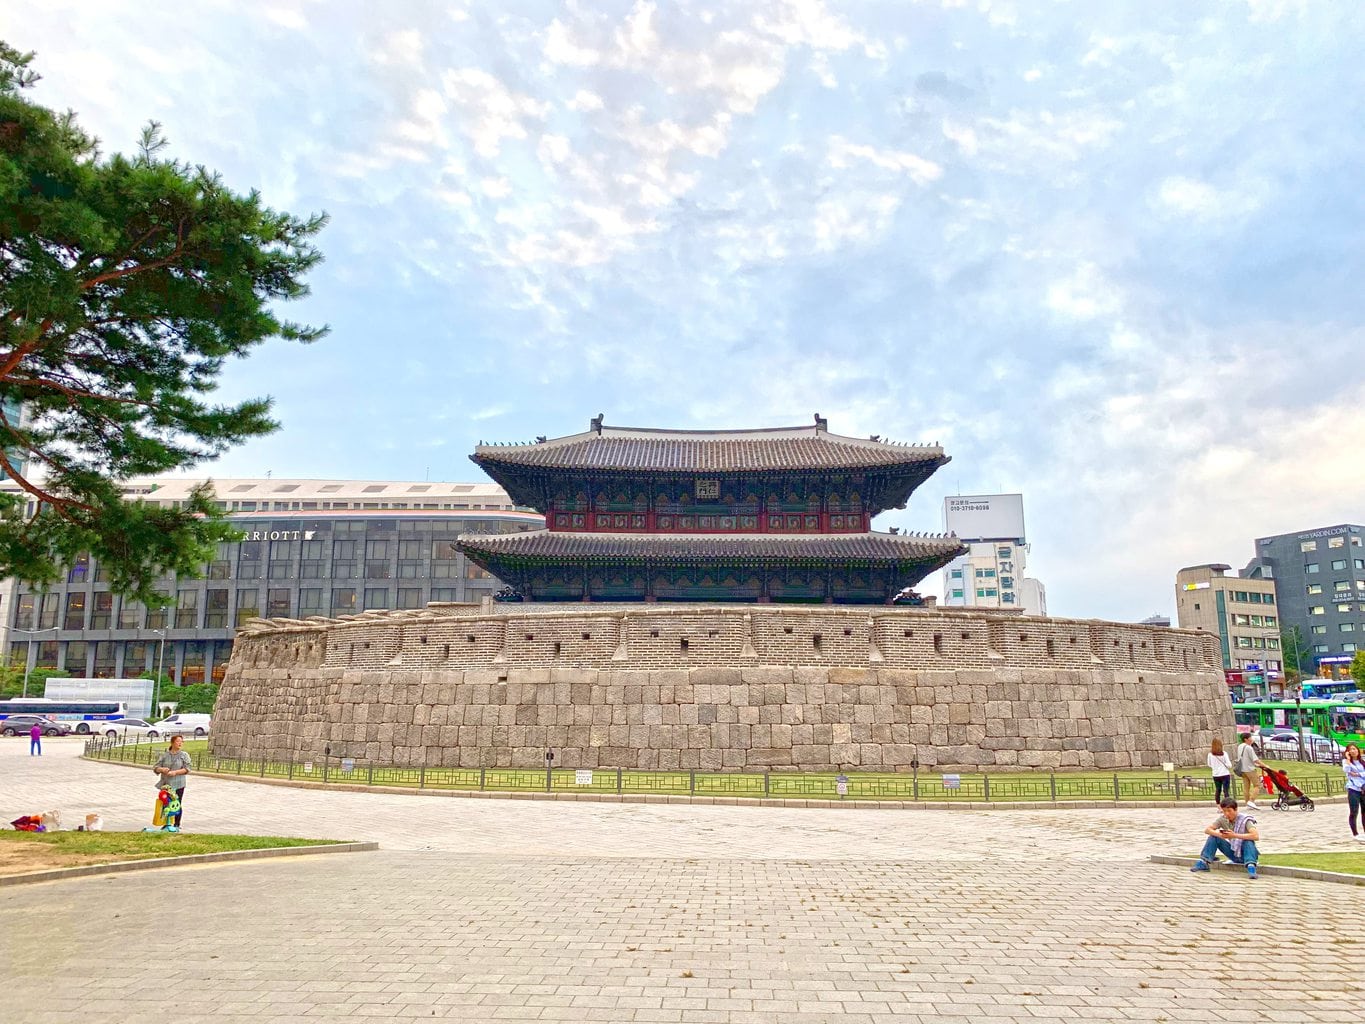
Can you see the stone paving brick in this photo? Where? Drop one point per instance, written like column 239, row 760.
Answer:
column 502, row 910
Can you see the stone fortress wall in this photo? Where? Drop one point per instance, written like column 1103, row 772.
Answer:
column 721, row 687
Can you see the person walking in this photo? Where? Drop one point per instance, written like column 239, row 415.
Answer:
column 1354, row 767
column 1247, row 767
column 172, row 767
column 35, row 740
column 1221, row 766
column 1233, row 835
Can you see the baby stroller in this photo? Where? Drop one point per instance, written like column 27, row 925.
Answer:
column 1287, row 794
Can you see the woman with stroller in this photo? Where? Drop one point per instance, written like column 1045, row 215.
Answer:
column 1354, row 767
column 1221, row 766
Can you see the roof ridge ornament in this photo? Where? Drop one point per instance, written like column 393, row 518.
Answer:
column 595, row 424
column 821, row 423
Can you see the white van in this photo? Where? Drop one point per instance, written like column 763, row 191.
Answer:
column 184, row 725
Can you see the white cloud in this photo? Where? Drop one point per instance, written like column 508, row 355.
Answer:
column 585, row 100
column 490, row 113
column 843, row 153
column 1084, row 295
column 1189, row 197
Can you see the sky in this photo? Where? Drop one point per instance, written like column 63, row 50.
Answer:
column 1103, row 253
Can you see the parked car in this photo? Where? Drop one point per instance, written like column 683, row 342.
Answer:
column 20, row 725
column 1284, row 745
column 129, row 728
column 184, row 725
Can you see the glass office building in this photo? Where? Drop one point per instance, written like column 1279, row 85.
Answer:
column 314, row 547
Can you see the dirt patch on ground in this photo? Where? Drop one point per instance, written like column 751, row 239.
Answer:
column 24, row 859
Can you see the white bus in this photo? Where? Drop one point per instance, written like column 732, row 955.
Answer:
column 84, row 716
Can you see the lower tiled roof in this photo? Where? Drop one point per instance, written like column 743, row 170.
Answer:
column 548, row 545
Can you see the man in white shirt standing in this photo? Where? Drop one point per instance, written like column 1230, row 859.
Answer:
column 1248, row 767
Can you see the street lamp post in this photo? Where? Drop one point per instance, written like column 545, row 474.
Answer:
column 160, row 661
column 28, row 651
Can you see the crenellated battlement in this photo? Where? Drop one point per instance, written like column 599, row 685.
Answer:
column 668, row 636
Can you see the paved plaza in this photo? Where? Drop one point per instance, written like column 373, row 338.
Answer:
column 486, row 910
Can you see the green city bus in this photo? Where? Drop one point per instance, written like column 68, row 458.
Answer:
column 1343, row 722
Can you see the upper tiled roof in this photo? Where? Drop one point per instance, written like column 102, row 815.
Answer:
column 707, row 451
column 854, row 547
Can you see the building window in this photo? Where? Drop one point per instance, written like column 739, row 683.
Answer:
column 343, row 600
column 445, row 594
column 75, row 613
column 23, row 616
column 409, row 597
column 444, row 551
column 1341, row 585
column 1347, row 627
column 1338, row 563
column 1003, row 552
column 1317, row 609
column 1241, row 620
column 957, row 593
column 277, row 603
column 310, row 602
column 80, row 569
column 473, row 572
column 75, row 657
column 1348, row 648
column 1320, row 648
column 1359, row 563
column 216, row 609
column 343, row 550
column 129, row 614
column 376, row 597
column 1315, row 588
column 1336, row 542
column 249, row 605
column 1270, row 620
column 102, row 611
column 956, row 574
column 377, row 571
column 1343, row 608
column 187, row 610
column 1311, row 568
column 1243, row 642
column 157, row 616
column 1308, row 545
column 1319, row 630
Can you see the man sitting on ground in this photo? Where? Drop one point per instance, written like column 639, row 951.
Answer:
column 1233, row 835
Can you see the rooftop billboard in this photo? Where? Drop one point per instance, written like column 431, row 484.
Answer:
column 984, row 516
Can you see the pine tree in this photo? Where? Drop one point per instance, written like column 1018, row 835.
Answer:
column 126, row 282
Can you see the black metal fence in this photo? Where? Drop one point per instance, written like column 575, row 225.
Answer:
column 918, row 785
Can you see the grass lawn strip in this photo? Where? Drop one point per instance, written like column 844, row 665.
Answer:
column 26, row 852
column 1020, row 786
column 1342, row 863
